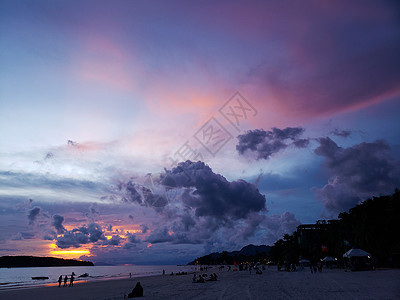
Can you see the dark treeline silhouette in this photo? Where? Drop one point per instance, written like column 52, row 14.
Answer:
column 34, row 261
column 249, row 253
column 373, row 225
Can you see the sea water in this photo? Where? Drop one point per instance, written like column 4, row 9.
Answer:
column 11, row 278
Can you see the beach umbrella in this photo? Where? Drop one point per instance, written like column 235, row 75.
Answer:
column 328, row 259
column 356, row 252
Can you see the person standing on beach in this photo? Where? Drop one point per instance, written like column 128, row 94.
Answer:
column 59, row 281
column 65, row 280
column 71, row 283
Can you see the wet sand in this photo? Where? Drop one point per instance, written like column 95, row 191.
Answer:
column 330, row 284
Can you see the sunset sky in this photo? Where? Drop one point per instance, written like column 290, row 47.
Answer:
column 153, row 132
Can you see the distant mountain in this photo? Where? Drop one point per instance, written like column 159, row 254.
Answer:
column 34, row 261
column 247, row 253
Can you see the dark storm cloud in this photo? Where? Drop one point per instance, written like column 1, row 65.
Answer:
column 131, row 192
column 265, row 143
column 357, row 172
column 213, row 211
column 114, row 241
column 174, row 236
column 212, row 194
column 82, row 235
column 136, row 193
column 57, row 223
column 159, row 236
column 32, row 215
column 73, row 238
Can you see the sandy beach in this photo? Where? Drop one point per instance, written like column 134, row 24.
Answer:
column 330, row 284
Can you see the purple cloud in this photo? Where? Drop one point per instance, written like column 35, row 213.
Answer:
column 57, row 223
column 357, row 172
column 32, row 215
column 82, row 235
column 266, row 143
column 210, row 194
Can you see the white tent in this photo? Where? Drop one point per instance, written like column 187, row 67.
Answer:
column 328, row 259
column 356, row 252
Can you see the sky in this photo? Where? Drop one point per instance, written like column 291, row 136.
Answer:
column 154, row 132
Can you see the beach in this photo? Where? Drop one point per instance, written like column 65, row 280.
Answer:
column 330, row 284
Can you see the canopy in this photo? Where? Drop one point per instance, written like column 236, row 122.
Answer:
column 328, row 259
column 356, row 252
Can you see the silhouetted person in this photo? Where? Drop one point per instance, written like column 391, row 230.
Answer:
column 59, row 281
column 136, row 292
column 163, row 272
column 71, row 282
column 130, row 275
column 65, row 280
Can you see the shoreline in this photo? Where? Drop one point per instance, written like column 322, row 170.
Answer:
column 330, row 284
column 79, row 282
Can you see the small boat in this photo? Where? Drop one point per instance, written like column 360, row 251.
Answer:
column 40, row 278
column 83, row 275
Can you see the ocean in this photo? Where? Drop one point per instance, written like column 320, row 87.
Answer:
column 12, row 278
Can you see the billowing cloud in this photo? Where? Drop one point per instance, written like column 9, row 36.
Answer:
column 32, row 215
column 133, row 192
column 132, row 238
column 82, row 235
column 210, row 194
column 114, row 241
column 74, row 238
column 57, row 223
column 357, row 172
column 209, row 207
column 159, row 236
column 265, row 143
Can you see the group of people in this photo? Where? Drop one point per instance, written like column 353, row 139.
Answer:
column 200, row 279
column 71, row 280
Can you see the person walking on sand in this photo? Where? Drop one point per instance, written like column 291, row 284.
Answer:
column 59, row 281
column 65, row 280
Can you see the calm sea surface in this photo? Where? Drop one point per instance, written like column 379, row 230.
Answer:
column 22, row 277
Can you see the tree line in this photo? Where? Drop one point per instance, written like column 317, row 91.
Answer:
column 373, row 225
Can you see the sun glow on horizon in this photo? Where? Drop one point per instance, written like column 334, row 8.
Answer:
column 68, row 254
